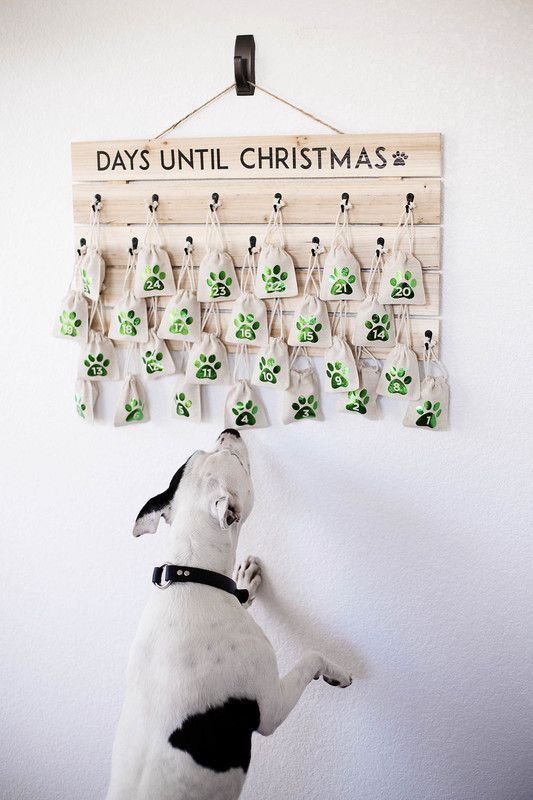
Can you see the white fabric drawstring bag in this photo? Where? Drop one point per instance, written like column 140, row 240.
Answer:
column 217, row 280
column 374, row 323
column 208, row 358
column 248, row 321
column 430, row 411
column 341, row 276
column 132, row 406
column 72, row 321
column 85, row 396
column 181, row 318
column 363, row 400
column 310, row 323
column 153, row 271
column 244, row 406
column 339, row 361
column 187, row 397
column 91, row 263
column 129, row 317
column 271, row 367
column 155, row 357
column 401, row 278
column 400, row 376
column 276, row 276
column 301, row 400
column 98, row 359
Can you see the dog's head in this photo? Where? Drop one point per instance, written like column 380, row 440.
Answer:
column 216, row 485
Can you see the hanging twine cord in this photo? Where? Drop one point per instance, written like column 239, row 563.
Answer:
column 261, row 89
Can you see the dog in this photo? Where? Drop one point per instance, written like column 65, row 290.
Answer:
column 202, row 676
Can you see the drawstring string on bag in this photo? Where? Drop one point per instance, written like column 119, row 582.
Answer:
column 187, row 268
column 277, row 310
column 405, row 225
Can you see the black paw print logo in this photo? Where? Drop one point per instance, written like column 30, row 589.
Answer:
column 399, row 158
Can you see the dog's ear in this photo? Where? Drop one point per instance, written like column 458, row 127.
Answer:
column 223, row 508
column 157, row 507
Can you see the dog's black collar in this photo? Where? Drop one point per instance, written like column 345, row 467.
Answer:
column 166, row 574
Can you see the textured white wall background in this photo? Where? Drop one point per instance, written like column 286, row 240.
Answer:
column 404, row 552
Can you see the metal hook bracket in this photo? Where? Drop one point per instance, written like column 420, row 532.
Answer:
column 253, row 242
column 244, row 65
column 188, row 245
column 134, row 245
column 380, row 246
column 155, row 202
column 97, row 205
column 215, row 197
column 410, row 202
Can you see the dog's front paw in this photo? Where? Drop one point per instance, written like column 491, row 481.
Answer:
column 336, row 676
column 248, row 576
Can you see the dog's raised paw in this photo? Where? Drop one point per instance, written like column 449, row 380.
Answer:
column 248, row 576
column 335, row 676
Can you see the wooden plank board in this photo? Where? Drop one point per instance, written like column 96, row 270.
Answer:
column 114, row 280
column 115, row 239
column 252, row 157
column 418, row 329
column 312, row 201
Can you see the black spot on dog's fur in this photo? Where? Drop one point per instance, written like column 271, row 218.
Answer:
column 232, row 432
column 332, row 681
column 162, row 501
column 221, row 738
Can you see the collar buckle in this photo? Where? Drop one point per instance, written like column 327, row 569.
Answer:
column 157, row 576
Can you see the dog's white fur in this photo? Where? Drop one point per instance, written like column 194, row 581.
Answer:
column 196, row 646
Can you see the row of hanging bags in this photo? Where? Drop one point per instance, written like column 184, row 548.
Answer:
column 340, row 364
column 400, row 376
column 276, row 276
column 244, row 406
column 208, row 358
column 272, row 362
column 341, row 275
column 301, row 399
column 248, row 324
column 181, row 319
column 374, row 322
column 91, row 263
column 310, row 323
column 401, row 278
column 217, row 281
column 363, row 399
column 132, row 404
column 72, row 321
column 98, row 357
column 430, row 410
column 153, row 271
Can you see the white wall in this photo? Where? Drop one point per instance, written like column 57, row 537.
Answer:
column 402, row 552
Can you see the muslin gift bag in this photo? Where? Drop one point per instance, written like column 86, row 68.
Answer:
column 301, row 400
column 208, row 359
column 217, row 280
column 153, row 271
column 186, row 397
column 91, row 264
column 129, row 317
column 400, row 376
column 374, row 323
column 363, row 400
column 181, row 318
column 339, row 361
column 248, row 319
column 72, row 320
column 310, row 322
column 430, row 411
column 271, row 367
column 85, row 396
column 276, row 276
column 341, row 276
column 132, row 406
column 244, row 406
column 98, row 358
column 156, row 359
column 401, row 278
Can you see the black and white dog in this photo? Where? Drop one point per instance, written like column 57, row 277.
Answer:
column 202, row 676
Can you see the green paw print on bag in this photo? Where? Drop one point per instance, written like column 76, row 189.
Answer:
column 81, row 408
column 207, row 366
column 134, row 410
column 128, row 323
column 180, row 321
column 245, row 413
column 403, row 285
column 268, row 370
column 219, row 285
column 96, row 365
column 87, row 281
column 378, row 328
column 183, row 405
column 308, row 330
column 398, row 381
column 154, row 279
column 337, row 373
column 152, row 361
column 306, row 407
column 358, row 401
column 429, row 414
column 69, row 322
column 246, row 326
column 342, row 281
column 274, row 279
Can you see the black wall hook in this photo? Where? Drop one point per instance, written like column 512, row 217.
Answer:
column 380, row 245
column 244, row 64
column 83, row 242
column 429, row 336
column 316, row 243
column 134, row 245
column 153, row 204
column 253, row 242
column 277, row 198
column 345, row 199
column 97, row 201
column 188, row 244
column 410, row 200
column 215, row 197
